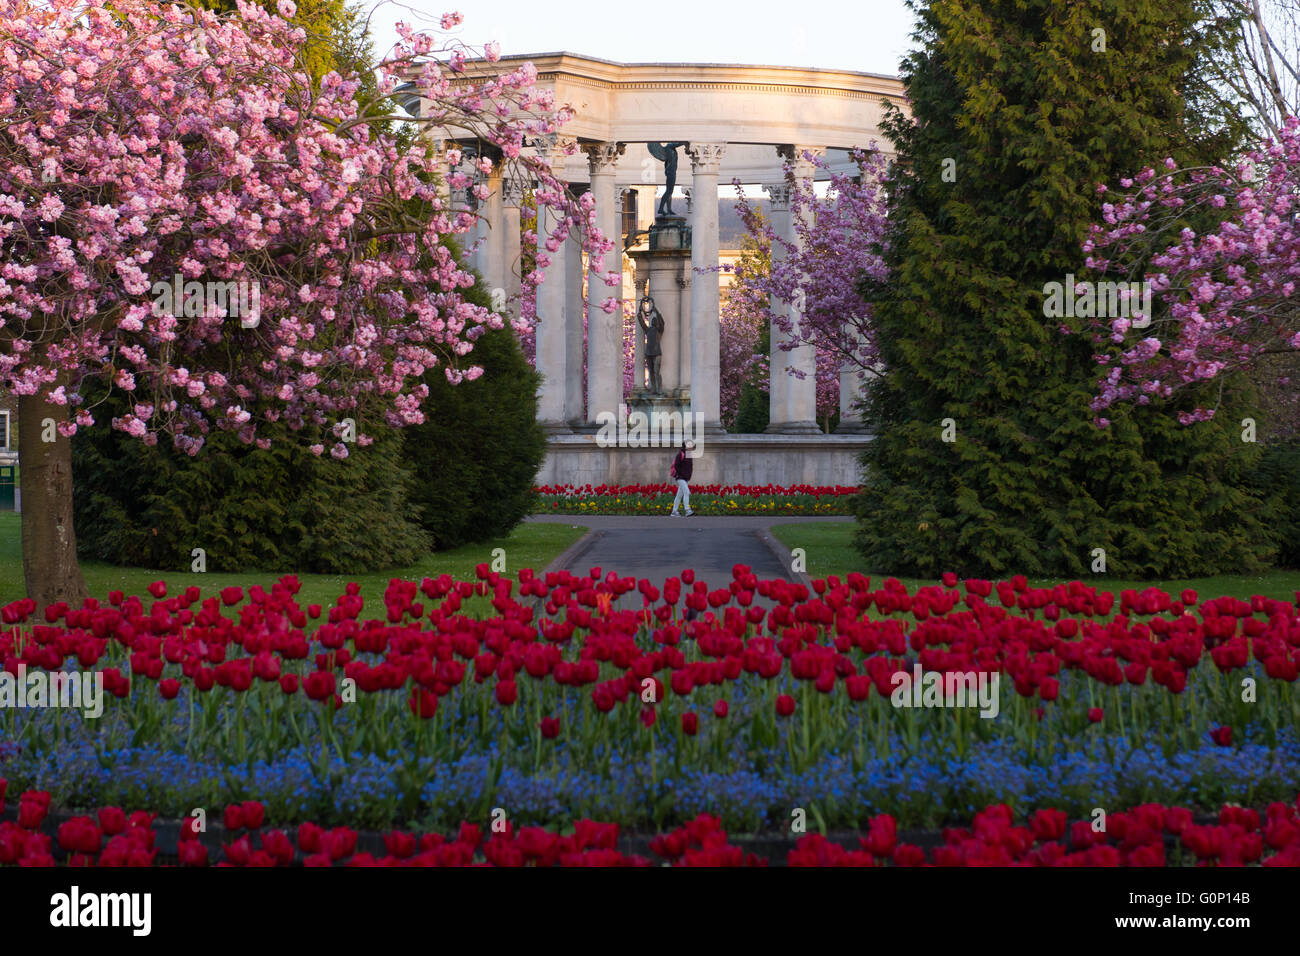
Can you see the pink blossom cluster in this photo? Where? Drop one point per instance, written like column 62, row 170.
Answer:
column 1228, row 294
column 742, row 316
column 145, row 142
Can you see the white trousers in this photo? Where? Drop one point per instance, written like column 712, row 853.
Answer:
column 683, row 495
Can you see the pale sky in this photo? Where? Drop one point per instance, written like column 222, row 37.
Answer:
column 870, row 36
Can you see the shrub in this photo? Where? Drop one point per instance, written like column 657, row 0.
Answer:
column 249, row 509
column 477, row 455
column 1277, row 478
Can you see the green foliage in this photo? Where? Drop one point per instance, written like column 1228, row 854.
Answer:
column 1277, row 478
column 1034, row 120
column 477, row 456
column 754, row 412
column 465, row 475
column 754, row 409
column 249, row 509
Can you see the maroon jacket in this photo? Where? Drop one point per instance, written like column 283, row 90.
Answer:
column 682, row 466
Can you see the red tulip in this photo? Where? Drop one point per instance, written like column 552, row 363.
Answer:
column 339, row 842
column 192, row 853
column 309, row 838
column 319, row 685
column 422, row 703
column 80, row 835
column 784, row 705
column 32, row 808
column 112, row 821
column 1048, row 825
column 507, row 692
column 276, row 844
column 254, row 814
column 882, row 836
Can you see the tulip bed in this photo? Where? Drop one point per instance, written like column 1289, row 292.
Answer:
column 657, row 499
column 1148, row 835
column 608, row 698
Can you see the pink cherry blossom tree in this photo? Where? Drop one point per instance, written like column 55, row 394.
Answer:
column 187, row 217
column 839, row 237
column 1224, row 298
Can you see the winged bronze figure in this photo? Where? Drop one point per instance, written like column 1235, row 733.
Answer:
column 666, row 153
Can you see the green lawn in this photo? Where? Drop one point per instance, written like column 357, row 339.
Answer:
column 829, row 550
column 530, row 545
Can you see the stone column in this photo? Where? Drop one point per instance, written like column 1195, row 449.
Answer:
column 573, row 328
column 666, row 288
column 778, row 378
column 645, row 206
column 801, row 393
column 493, row 256
column 604, row 329
column 706, row 158
column 440, row 163
column 552, row 321
column 509, row 236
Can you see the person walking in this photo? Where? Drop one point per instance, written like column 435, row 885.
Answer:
column 681, row 473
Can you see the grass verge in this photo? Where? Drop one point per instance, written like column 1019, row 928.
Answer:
column 829, row 550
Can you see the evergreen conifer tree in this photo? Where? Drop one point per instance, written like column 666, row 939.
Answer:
column 1018, row 110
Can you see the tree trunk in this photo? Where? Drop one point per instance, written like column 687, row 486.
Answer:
column 50, row 568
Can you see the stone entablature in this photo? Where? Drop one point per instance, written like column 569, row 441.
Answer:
column 750, row 108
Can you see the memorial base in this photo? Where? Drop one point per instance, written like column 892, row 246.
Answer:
column 727, row 459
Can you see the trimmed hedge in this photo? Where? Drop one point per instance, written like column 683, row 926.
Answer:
column 249, row 509
column 477, row 454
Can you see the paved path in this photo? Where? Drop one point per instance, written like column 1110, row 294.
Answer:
column 658, row 547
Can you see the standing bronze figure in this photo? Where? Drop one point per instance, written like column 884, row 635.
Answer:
column 666, row 153
column 652, row 325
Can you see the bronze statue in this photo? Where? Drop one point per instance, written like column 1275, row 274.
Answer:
column 654, row 330
column 666, row 153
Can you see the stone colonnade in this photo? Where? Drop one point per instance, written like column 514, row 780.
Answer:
column 560, row 298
